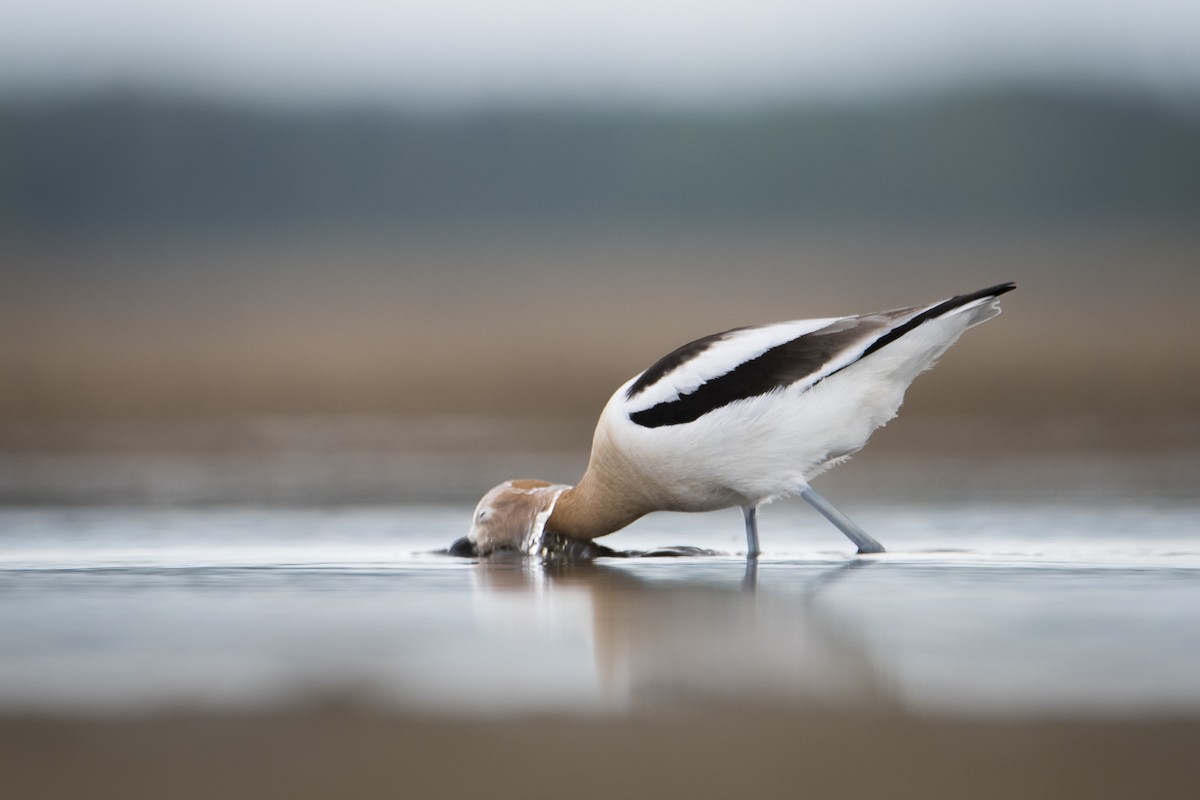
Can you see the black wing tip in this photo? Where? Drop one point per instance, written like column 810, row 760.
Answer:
column 945, row 307
column 991, row 291
column 958, row 301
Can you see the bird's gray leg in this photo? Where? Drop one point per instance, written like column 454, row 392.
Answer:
column 751, row 514
column 750, row 577
column 865, row 543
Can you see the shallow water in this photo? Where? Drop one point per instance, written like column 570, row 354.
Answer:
column 976, row 609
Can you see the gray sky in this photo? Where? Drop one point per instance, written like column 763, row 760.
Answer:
column 462, row 51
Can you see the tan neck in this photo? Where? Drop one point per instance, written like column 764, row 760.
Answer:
column 592, row 509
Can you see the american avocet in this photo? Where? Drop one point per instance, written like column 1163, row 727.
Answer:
column 737, row 418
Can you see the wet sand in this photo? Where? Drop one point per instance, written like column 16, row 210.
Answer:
column 342, row 750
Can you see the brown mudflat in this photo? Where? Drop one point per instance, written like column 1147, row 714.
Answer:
column 344, row 752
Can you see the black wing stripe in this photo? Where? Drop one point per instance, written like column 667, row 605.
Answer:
column 776, row 368
column 673, row 361
column 783, row 364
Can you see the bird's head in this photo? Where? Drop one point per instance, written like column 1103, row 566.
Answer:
column 513, row 515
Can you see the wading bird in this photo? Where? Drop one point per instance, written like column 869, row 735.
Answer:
column 737, row 418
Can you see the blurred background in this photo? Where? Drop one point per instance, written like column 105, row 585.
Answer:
column 378, row 252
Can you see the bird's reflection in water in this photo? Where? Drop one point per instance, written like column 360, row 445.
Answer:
column 659, row 639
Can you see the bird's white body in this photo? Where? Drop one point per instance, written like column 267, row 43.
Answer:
column 746, row 416
column 764, row 447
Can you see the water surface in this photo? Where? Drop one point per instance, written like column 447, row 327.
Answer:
column 978, row 609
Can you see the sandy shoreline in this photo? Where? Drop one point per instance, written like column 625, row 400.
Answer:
column 345, row 751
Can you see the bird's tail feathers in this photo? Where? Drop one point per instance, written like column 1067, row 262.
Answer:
column 982, row 304
column 984, row 300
